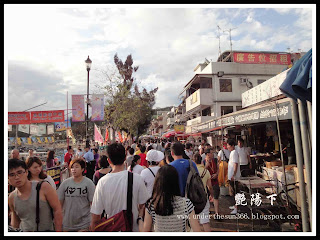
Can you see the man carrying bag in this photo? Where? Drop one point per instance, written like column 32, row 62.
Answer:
column 110, row 196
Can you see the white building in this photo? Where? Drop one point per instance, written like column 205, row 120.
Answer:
column 216, row 87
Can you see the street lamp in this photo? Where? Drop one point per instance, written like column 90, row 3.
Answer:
column 88, row 65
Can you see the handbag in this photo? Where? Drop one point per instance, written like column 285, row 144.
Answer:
column 122, row 221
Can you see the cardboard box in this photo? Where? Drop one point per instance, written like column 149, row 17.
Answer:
column 273, row 163
column 296, row 174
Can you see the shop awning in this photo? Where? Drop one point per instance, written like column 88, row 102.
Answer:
column 298, row 83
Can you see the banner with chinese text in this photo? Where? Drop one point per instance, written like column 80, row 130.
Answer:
column 47, row 116
column 97, row 104
column 97, row 134
column 78, row 108
column 54, row 172
column 262, row 58
column 15, row 118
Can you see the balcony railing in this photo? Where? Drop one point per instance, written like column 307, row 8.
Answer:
column 203, row 96
column 199, row 120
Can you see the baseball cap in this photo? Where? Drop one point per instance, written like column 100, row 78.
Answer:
column 154, row 155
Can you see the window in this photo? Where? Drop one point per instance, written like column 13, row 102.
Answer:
column 206, row 112
column 225, row 85
column 261, row 81
column 226, row 110
column 205, row 82
column 238, row 108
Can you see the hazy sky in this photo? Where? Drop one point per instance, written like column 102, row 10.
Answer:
column 46, row 46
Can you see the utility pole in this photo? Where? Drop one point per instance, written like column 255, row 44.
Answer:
column 219, row 41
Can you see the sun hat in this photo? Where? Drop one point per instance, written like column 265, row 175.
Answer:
column 154, row 155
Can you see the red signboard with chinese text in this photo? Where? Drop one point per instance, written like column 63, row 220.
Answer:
column 262, row 58
column 47, row 116
column 16, row 118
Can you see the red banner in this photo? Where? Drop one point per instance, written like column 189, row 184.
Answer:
column 47, row 116
column 16, row 118
column 262, row 58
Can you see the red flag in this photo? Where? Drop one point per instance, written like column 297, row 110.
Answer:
column 106, row 136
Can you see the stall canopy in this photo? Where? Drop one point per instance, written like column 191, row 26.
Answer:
column 298, row 83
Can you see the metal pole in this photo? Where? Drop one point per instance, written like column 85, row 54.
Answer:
column 306, row 153
column 309, row 106
column 16, row 136
column 299, row 160
column 87, row 136
column 281, row 154
column 67, row 122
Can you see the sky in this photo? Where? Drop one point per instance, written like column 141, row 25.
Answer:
column 46, row 45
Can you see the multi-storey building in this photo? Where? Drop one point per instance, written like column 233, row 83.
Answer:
column 216, row 87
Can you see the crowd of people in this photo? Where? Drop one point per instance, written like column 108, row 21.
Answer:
column 97, row 184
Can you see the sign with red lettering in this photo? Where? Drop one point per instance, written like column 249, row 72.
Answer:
column 16, row 118
column 262, row 58
column 47, row 116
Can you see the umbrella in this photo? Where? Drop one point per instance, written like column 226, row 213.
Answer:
column 298, row 83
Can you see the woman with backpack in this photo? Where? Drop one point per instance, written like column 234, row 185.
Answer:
column 104, row 168
column 166, row 209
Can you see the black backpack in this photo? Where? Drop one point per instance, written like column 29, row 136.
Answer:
column 195, row 191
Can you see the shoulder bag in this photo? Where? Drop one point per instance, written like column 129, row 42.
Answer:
column 122, row 221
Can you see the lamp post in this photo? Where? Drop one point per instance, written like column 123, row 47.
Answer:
column 88, row 65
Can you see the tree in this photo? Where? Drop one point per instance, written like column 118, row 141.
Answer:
column 127, row 108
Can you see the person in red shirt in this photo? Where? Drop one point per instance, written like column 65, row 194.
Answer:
column 68, row 155
column 143, row 156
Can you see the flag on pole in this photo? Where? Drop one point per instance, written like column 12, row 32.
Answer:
column 97, row 134
column 97, row 104
column 106, row 138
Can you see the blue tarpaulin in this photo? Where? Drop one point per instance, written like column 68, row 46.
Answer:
column 298, row 83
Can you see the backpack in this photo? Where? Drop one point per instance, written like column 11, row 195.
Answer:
column 195, row 191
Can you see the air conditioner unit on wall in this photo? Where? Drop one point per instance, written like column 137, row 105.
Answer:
column 243, row 80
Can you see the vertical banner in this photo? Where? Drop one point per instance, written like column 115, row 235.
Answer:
column 23, row 128
column 9, row 128
column 78, row 108
column 19, row 141
column 97, row 134
column 34, row 129
column 52, row 139
column 50, row 129
column 24, row 140
column 46, row 140
column 97, row 104
column 38, row 139
column 29, row 141
column 42, row 129
column 49, row 139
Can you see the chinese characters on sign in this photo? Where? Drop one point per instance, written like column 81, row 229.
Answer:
column 262, row 58
column 47, row 116
column 256, row 200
